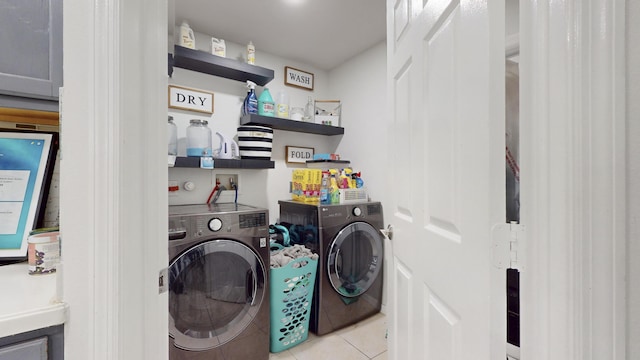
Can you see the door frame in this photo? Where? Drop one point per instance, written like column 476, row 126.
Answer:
column 572, row 61
column 113, row 176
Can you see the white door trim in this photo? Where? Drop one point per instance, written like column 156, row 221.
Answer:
column 572, row 179
column 113, row 203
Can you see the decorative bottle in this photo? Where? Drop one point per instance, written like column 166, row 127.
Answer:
column 251, row 53
column 309, row 111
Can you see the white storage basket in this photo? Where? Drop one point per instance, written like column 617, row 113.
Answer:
column 348, row 196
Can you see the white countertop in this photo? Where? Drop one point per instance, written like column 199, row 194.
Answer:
column 28, row 302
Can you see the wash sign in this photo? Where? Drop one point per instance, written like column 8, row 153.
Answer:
column 298, row 78
column 190, row 99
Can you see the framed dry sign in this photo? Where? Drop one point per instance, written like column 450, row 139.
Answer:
column 190, row 99
column 298, row 78
column 299, row 155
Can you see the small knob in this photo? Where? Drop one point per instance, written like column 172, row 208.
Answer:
column 215, row 224
column 189, row 186
column 357, row 211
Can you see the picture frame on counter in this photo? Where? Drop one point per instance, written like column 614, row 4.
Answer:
column 185, row 98
column 298, row 78
column 299, row 155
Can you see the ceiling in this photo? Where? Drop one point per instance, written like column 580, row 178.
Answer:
column 321, row 33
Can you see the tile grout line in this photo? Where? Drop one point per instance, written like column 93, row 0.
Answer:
column 360, row 351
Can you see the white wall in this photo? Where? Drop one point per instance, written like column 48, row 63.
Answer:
column 361, row 85
column 633, row 180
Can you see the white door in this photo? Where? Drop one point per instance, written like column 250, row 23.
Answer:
column 446, row 88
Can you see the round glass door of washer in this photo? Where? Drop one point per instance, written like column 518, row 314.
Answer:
column 355, row 259
column 215, row 291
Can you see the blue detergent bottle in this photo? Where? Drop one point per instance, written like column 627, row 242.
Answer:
column 266, row 105
column 250, row 105
column 325, row 189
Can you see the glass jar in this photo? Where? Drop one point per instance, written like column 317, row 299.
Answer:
column 172, row 139
column 198, row 138
column 309, row 111
column 297, row 113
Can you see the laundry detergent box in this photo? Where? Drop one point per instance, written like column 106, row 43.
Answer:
column 305, row 185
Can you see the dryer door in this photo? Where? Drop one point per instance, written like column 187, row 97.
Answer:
column 215, row 291
column 355, row 259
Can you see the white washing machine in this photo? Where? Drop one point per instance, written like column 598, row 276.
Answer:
column 218, row 282
column 348, row 287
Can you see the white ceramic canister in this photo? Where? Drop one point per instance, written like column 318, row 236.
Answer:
column 255, row 142
column 199, row 138
column 43, row 252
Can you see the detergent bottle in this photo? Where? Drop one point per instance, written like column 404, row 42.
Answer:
column 251, row 53
column 334, row 193
column 282, row 107
column 186, row 39
column 325, row 189
column 266, row 106
column 250, row 105
column 218, row 47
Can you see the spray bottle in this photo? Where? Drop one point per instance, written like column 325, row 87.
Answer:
column 334, row 193
column 250, row 105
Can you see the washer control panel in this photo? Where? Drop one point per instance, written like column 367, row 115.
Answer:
column 186, row 227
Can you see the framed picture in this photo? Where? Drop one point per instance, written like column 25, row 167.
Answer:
column 299, row 155
column 26, row 170
column 298, row 78
column 190, row 99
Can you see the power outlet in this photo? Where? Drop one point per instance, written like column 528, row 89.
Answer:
column 227, row 179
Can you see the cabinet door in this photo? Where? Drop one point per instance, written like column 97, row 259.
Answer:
column 31, row 48
column 35, row 349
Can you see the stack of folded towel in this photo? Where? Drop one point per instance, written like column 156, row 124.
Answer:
column 280, row 258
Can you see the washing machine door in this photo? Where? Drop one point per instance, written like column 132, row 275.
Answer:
column 215, row 291
column 355, row 259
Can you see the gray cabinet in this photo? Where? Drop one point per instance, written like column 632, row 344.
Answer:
column 35, row 349
column 41, row 344
column 31, row 43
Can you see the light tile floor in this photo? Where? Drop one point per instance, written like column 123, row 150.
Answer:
column 365, row 340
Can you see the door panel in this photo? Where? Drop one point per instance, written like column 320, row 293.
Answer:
column 441, row 70
column 443, row 329
column 215, row 290
column 442, row 143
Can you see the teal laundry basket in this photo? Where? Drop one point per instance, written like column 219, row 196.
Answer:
column 291, row 293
